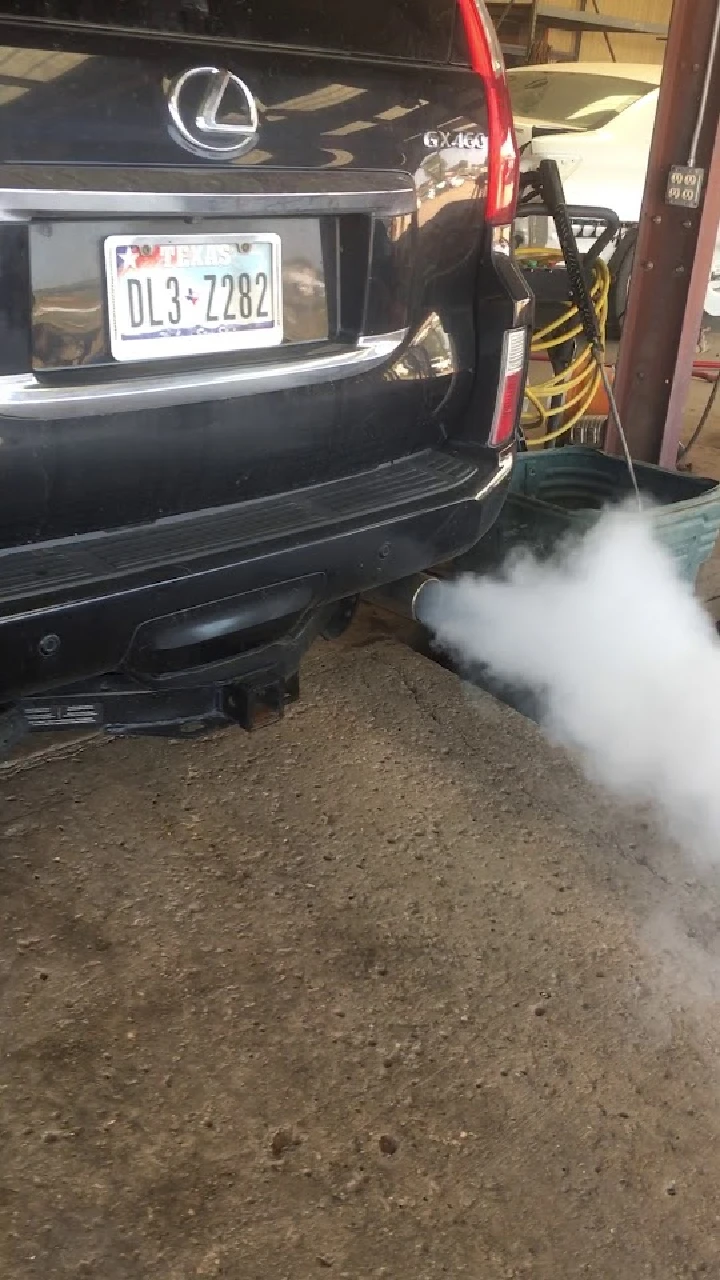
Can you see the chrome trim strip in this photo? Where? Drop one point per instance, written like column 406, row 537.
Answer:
column 506, row 461
column 522, row 312
column 28, row 191
column 23, row 396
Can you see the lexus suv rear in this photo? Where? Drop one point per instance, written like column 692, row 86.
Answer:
column 263, row 342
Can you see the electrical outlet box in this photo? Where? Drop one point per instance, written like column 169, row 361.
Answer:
column 684, row 187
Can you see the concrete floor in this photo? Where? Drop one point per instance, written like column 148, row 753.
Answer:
column 386, row 990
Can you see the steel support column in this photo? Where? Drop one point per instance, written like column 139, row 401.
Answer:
column 674, row 251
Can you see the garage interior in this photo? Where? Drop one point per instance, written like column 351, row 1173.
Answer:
column 389, row 991
column 664, row 374
column 675, row 246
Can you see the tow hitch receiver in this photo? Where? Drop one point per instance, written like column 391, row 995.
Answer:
column 254, row 706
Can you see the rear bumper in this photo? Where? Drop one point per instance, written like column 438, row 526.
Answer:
column 168, row 604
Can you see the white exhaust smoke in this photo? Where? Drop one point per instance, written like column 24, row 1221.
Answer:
column 623, row 659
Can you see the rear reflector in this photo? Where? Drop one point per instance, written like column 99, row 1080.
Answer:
column 512, row 369
column 503, row 161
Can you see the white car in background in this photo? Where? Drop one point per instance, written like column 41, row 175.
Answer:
column 596, row 120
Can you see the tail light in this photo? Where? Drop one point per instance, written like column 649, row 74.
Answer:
column 503, row 160
column 512, row 371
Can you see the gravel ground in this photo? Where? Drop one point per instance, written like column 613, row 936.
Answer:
column 386, row 990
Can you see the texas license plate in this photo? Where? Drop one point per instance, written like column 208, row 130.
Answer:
column 185, row 295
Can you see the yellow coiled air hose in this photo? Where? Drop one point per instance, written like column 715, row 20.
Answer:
column 577, row 384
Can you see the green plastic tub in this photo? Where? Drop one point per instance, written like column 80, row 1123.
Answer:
column 560, row 491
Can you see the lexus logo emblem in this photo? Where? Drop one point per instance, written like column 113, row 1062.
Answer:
column 212, row 112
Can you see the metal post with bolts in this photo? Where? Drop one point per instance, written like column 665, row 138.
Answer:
column 676, row 240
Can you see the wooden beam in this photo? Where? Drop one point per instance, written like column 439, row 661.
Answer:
column 675, row 246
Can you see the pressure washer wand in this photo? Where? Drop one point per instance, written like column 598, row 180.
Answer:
column 554, row 198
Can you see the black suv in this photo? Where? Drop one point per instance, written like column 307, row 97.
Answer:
column 263, row 341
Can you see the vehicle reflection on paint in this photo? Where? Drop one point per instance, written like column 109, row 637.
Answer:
column 430, row 353
column 69, row 322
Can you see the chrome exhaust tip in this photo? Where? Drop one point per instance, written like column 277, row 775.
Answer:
column 413, row 597
column 425, row 600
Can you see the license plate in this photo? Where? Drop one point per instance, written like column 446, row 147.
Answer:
column 187, row 295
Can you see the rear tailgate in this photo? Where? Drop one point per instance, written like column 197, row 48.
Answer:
column 361, row 232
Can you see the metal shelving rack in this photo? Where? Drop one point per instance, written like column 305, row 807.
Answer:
column 524, row 26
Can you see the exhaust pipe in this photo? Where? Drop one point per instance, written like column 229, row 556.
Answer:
column 414, row 597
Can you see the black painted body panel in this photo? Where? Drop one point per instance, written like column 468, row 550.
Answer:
column 382, row 234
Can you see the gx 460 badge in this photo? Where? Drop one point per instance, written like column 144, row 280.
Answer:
column 462, row 139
